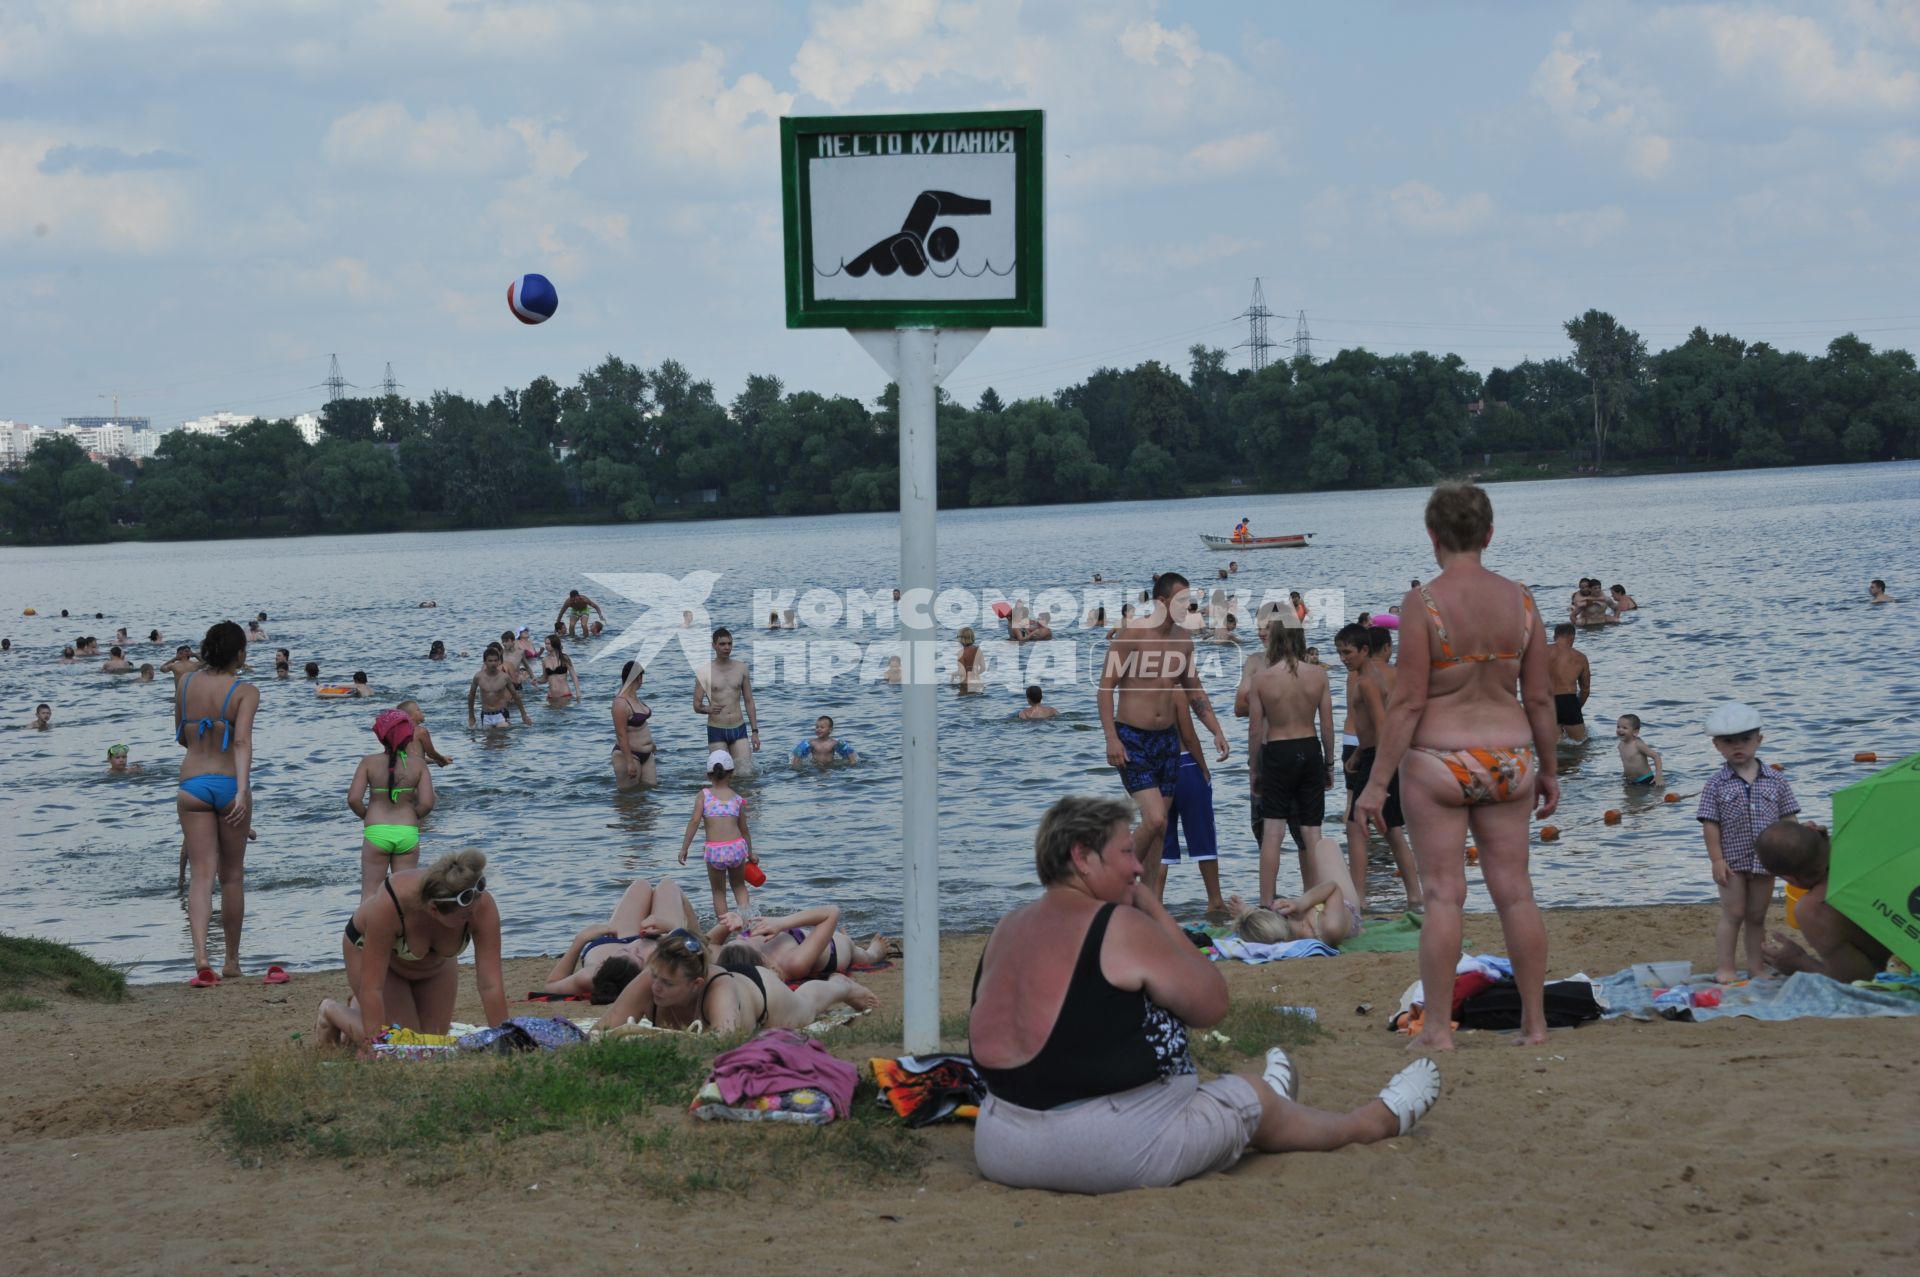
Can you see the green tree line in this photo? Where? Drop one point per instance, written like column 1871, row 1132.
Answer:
column 629, row 443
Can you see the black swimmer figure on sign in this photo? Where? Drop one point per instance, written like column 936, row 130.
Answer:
column 910, row 248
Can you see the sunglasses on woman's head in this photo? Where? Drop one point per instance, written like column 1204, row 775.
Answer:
column 693, row 942
column 461, row 901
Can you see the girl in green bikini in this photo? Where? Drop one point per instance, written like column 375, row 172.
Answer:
column 391, row 791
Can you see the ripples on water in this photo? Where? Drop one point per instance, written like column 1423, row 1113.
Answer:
column 1752, row 585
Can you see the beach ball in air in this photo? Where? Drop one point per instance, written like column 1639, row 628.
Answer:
column 532, row 299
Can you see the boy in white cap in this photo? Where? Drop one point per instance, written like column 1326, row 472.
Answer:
column 1740, row 801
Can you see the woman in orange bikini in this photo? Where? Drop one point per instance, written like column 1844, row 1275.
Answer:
column 1470, row 755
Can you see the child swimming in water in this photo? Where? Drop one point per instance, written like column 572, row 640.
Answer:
column 729, row 844
column 823, row 748
column 1639, row 761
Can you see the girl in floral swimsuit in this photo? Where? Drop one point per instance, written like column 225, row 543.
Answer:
column 729, row 848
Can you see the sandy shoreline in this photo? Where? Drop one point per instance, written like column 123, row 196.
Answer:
column 1620, row 1147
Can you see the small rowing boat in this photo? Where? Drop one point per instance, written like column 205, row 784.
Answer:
column 1298, row 541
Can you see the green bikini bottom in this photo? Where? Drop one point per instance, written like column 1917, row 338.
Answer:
column 395, row 840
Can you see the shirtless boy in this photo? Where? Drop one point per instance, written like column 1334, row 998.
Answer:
column 1369, row 688
column 496, row 692
column 1639, row 762
column 421, row 736
column 723, row 695
column 823, row 747
column 578, row 604
column 1291, row 766
column 1842, row 950
column 117, row 662
column 1148, row 665
column 1572, row 680
column 1035, row 710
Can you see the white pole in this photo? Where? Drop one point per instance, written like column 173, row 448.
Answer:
column 918, row 359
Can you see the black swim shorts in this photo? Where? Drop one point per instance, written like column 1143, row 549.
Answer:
column 1566, row 710
column 1357, row 781
column 1293, row 780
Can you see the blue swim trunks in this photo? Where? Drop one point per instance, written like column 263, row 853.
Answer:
column 1153, row 758
column 725, row 735
column 1192, row 807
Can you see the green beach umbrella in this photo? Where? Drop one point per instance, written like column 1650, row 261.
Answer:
column 1874, row 875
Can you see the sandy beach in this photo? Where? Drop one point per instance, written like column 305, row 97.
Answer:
column 1731, row 1146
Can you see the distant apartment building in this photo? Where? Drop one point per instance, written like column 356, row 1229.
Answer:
column 107, row 438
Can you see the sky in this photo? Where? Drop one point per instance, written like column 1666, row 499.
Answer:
column 202, row 200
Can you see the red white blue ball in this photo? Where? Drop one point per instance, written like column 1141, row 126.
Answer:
column 532, row 299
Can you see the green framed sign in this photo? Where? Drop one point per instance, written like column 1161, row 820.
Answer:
column 914, row 221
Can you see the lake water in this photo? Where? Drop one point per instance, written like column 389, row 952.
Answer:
column 1752, row 585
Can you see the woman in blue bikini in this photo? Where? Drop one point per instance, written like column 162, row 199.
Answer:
column 213, row 717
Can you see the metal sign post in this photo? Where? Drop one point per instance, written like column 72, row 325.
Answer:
column 917, row 234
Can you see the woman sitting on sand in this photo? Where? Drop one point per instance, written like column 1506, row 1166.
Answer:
column 1329, row 908
column 607, row 956
column 734, row 992
column 403, row 946
column 808, row 945
column 1471, row 756
column 1086, row 994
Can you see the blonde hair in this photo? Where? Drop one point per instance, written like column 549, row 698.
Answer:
column 966, row 636
column 1263, row 926
column 1460, row 516
column 452, row 874
column 674, row 954
column 1286, row 643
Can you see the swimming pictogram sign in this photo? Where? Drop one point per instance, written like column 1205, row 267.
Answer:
column 901, row 221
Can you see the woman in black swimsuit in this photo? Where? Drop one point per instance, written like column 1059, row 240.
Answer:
column 556, row 673
column 685, row 984
column 1087, row 993
column 634, row 760
column 402, row 948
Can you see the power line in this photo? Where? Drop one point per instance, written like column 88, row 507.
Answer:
column 336, row 384
column 1302, row 339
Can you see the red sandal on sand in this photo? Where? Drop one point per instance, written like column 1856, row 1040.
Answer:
column 204, row 978
column 276, row 974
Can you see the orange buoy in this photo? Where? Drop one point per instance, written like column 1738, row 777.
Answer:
column 1549, row 833
column 1473, row 854
column 1612, row 817
column 1866, row 757
column 1779, row 767
column 29, row 612
column 1673, row 798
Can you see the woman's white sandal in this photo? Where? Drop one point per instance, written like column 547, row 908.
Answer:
column 1279, row 1074
column 1413, row 1091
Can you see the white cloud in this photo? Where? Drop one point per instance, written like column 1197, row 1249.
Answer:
column 1594, row 109
column 140, row 211
column 1131, row 165
column 445, row 142
column 1795, row 57
column 1422, row 209
column 1214, row 248
column 694, row 120
column 1892, row 157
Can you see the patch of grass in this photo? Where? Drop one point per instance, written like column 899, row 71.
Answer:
column 26, row 961
column 20, row 1002
column 1251, row 1027
column 618, row 1106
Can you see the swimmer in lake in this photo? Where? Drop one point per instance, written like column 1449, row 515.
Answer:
column 1572, row 681
column 117, row 763
column 496, row 693
column 1877, row 592
column 578, row 605
column 1621, row 600
column 1640, row 763
column 824, row 748
column 635, row 757
column 117, row 662
column 421, row 736
column 1035, row 711
column 282, row 663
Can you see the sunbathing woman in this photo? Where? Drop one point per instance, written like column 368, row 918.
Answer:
column 390, row 792
column 809, row 945
column 403, row 947
column 635, row 760
column 680, row 988
column 605, row 956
